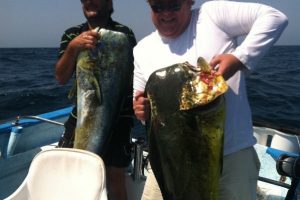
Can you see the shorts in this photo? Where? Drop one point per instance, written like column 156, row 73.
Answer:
column 68, row 136
column 118, row 152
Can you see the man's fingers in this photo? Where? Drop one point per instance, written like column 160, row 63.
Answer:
column 138, row 94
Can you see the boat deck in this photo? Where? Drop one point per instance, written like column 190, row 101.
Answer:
column 267, row 191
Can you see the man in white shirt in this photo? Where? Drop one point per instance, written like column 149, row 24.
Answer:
column 211, row 32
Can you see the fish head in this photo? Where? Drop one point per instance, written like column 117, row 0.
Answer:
column 203, row 88
column 183, row 86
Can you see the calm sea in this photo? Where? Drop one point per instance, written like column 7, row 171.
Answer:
column 28, row 85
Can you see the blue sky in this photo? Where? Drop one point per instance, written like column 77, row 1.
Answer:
column 40, row 23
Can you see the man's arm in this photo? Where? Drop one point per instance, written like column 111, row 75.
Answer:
column 65, row 66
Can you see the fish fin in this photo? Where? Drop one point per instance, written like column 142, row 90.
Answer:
column 204, row 66
column 73, row 90
column 96, row 83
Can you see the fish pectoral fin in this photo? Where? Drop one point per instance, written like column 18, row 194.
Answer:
column 97, row 86
column 73, row 90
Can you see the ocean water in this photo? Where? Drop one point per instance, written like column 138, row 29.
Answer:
column 274, row 88
column 27, row 82
column 28, row 85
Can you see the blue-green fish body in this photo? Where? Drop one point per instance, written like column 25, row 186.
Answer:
column 103, row 77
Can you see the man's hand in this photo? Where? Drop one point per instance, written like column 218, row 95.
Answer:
column 141, row 106
column 227, row 65
column 65, row 66
column 86, row 40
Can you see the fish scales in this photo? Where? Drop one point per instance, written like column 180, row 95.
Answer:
column 185, row 142
column 103, row 77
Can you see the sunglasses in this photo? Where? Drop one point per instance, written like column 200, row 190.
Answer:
column 162, row 8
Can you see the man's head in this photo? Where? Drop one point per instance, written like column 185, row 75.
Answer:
column 97, row 11
column 171, row 17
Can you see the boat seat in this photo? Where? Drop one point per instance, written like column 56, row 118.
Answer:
column 63, row 174
column 286, row 142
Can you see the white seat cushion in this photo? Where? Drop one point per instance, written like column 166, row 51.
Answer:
column 63, row 173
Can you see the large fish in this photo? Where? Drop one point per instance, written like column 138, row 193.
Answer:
column 103, row 77
column 186, row 130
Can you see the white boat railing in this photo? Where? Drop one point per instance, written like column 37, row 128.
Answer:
column 35, row 131
column 37, row 118
column 16, row 132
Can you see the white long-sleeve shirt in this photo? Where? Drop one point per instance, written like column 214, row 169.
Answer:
column 213, row 30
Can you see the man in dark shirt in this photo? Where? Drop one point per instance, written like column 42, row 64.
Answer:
column 77, row 38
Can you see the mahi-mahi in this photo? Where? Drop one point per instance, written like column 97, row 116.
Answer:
column 186, row 130
column 103, row 77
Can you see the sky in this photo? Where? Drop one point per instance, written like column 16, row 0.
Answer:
column 41, row 23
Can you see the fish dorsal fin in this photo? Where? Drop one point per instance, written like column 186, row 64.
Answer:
column 203, row 65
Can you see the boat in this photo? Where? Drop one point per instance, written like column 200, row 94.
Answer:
column 23, row 138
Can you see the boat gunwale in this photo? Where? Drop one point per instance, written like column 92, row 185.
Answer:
column 6, row 127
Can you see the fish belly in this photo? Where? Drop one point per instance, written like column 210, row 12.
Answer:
column 103, row 77
column 186, row 146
